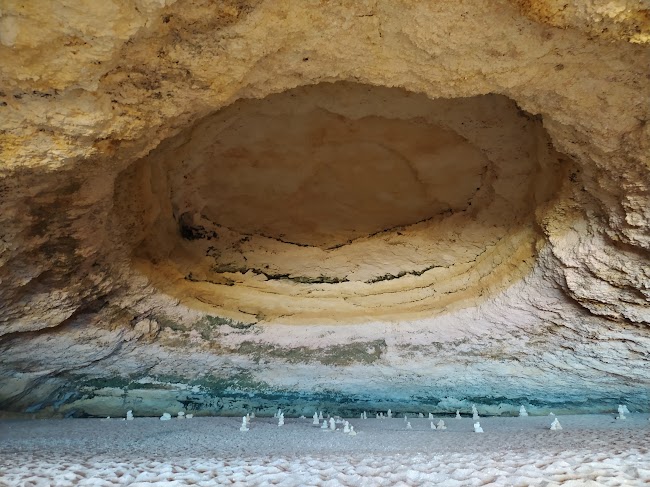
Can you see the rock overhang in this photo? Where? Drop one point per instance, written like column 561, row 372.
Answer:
column 88, row 105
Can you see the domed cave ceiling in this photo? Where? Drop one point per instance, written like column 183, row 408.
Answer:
column 346, row 206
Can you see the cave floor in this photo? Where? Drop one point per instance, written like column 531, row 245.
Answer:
column 590, row 450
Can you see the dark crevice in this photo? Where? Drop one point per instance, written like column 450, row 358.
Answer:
column 322, row 279
column 194, row 232
column 390, row 277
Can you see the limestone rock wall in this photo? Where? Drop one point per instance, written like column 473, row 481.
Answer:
column 181, row 223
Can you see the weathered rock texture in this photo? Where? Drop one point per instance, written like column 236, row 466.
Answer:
column 351, row 205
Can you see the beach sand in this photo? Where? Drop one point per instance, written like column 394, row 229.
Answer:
column 591, row 450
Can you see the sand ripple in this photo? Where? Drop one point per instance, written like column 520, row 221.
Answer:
column 579, row 468
column 590, row 451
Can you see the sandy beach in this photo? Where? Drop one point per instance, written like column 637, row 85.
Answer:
column 590, row 450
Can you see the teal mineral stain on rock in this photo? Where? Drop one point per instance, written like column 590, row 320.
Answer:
column 236, row 390
column 239, row 383
column 216, row 321
column 242, row 393
column 353, row 353
column 105, row 382
column 207, row 326
column 166, row 322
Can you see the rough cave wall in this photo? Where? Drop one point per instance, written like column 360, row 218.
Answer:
column 100, row 308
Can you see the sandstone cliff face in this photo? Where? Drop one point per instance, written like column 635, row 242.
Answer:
column 355, row 205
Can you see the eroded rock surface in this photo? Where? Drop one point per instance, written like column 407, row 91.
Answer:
column 351, row 205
